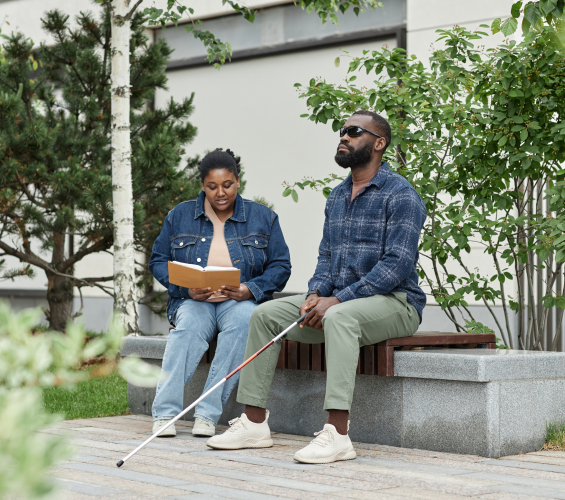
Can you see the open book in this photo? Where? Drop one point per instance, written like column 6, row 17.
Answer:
column 194, row 276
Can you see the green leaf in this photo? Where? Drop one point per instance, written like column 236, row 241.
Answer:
column 287, row 191
column 294, row 195
column 532, row 13
column 516, row 7
column 495, row 26
column 509, row 26
column 524, row 134
column 336, row 62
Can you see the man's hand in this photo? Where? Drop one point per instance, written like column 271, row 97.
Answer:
column 321, row 305
column 239, row 294
column 309, row 303
column 200, row 294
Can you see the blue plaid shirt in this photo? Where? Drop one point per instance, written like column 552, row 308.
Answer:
column 370, row 245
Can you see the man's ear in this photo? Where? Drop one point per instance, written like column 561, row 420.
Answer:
column 380, row 144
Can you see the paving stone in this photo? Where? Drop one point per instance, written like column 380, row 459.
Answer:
column 101, row 445
column 526, row 481
column 509, row 496
column 367, row 495
column 400, row 464
column 538, row 459
column 192, row 477
column 238, row 457
column 115, row 482
column 531, row 490
column 221, row 491
column 528, row 465
column 198, row 496
column 370, row 483
column 79, row 457
column 69, row 495
column 548, row 453
column 87, row 488
column 165, row 444
column 272, row 480
column 126, row 474
column 422, row 494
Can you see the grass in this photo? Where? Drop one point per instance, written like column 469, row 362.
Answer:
column 555, row 437
column 101, row 397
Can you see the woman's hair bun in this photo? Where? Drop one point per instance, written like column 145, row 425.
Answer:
column 232, row 154
column 219, row 159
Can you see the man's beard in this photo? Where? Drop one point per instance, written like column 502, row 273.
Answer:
column 355, row 157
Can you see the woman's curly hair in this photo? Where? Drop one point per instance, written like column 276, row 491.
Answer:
column 219, row 159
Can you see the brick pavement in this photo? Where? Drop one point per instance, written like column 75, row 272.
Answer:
column 184, row 468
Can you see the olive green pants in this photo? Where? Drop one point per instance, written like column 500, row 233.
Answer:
column 347, row 327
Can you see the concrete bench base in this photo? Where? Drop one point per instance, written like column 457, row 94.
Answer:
column 489, row 403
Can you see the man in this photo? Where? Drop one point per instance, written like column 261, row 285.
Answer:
column 364, row 290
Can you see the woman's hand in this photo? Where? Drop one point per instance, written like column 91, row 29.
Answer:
column 200, row 294
column 238, row 294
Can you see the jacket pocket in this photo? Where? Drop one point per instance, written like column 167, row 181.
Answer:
column 255, row 250
column 182, row 248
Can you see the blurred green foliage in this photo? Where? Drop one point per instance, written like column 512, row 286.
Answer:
column 31, row 363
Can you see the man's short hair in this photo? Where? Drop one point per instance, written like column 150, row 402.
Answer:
column 383, row 127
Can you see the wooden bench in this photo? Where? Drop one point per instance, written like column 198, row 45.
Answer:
column 378, row 359
column 375, row 359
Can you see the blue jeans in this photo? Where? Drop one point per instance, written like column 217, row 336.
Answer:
column 197, row 323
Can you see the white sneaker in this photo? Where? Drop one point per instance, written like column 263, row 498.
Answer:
column 203, row 427
column 243, row 434
column 328, row 446
column 168, row 432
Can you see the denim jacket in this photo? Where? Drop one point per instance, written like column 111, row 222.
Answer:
column 255, row 243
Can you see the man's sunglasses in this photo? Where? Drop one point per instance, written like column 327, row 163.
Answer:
column 354, row 131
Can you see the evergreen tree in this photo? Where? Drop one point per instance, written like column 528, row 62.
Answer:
column 55, row 154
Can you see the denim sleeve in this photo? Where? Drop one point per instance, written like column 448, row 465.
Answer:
column 277, row 268
column 404, row 222
column 322, row 279
column 161, row 254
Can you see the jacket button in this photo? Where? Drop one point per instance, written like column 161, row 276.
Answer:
column 181, row 243
column 198, row 259
column 203, row 239
column 256, row 242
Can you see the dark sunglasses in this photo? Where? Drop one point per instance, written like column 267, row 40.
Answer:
column 354, row 131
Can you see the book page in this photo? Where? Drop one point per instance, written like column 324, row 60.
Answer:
column 193, row 266
column 216, row 268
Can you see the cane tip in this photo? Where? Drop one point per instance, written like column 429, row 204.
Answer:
column 120, row 463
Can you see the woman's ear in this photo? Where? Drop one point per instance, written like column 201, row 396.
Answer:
column 238, row 183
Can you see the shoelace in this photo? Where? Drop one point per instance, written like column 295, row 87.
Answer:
column 235, row 424
column 323, row 438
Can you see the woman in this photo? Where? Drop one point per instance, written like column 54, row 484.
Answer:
column 219, row 228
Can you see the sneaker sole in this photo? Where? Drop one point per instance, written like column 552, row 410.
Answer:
column 204, row 433
column 249, row 443
column 342, row 455
column 167, row 434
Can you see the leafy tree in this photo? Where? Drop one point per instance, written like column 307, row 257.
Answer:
column 55, row 151
column 480, row 135
column 534, row 16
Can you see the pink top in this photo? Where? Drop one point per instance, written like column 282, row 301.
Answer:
column 219, row 254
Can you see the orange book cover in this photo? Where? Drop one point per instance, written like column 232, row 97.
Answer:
column 193, row 276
